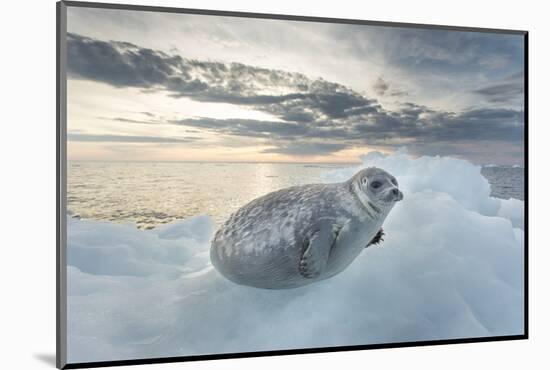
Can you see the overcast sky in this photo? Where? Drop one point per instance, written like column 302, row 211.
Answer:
column 158, row 86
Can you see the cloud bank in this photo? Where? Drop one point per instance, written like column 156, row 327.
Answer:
column 128, row 138
column 327, row 116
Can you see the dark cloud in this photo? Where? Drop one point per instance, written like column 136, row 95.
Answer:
column 128, row 139
column 381, row 86
column 306, row 148
column 123, row 64
column 399, row 93
column 508, row 90
column 412, row 122
column 119, row 64
column 130, row 120
column 501, row 93
column 313, row 115
column 250, row 128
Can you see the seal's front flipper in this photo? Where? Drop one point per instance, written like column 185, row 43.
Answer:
column 378, row 238
column 315, row 256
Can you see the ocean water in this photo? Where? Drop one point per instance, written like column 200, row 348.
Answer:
column 149, row 194
column 154, row 193
column 506, row 182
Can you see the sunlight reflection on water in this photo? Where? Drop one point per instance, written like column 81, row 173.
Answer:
column 150, row 194
column 153, row 193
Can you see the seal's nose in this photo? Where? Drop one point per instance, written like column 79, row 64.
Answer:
column 397, row 194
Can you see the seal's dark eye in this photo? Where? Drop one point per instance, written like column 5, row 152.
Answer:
column 376, row 184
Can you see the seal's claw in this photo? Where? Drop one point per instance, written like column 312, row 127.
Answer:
column 378, row 238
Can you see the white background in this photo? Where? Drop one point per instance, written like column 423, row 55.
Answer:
column 27, row 204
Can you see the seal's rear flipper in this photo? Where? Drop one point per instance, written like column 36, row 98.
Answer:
column 378, row 238
column 315, row 256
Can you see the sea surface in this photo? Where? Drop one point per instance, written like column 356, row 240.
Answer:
column 152, row 193
column 506, row 181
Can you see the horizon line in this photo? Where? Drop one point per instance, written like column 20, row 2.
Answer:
column 488, row 165
column 207, row 161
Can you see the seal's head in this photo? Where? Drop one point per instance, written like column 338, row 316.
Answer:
column 376, row 186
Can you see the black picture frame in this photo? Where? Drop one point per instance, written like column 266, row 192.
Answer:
column 61, row 186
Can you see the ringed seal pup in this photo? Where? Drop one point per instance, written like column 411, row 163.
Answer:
column 303, row 234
